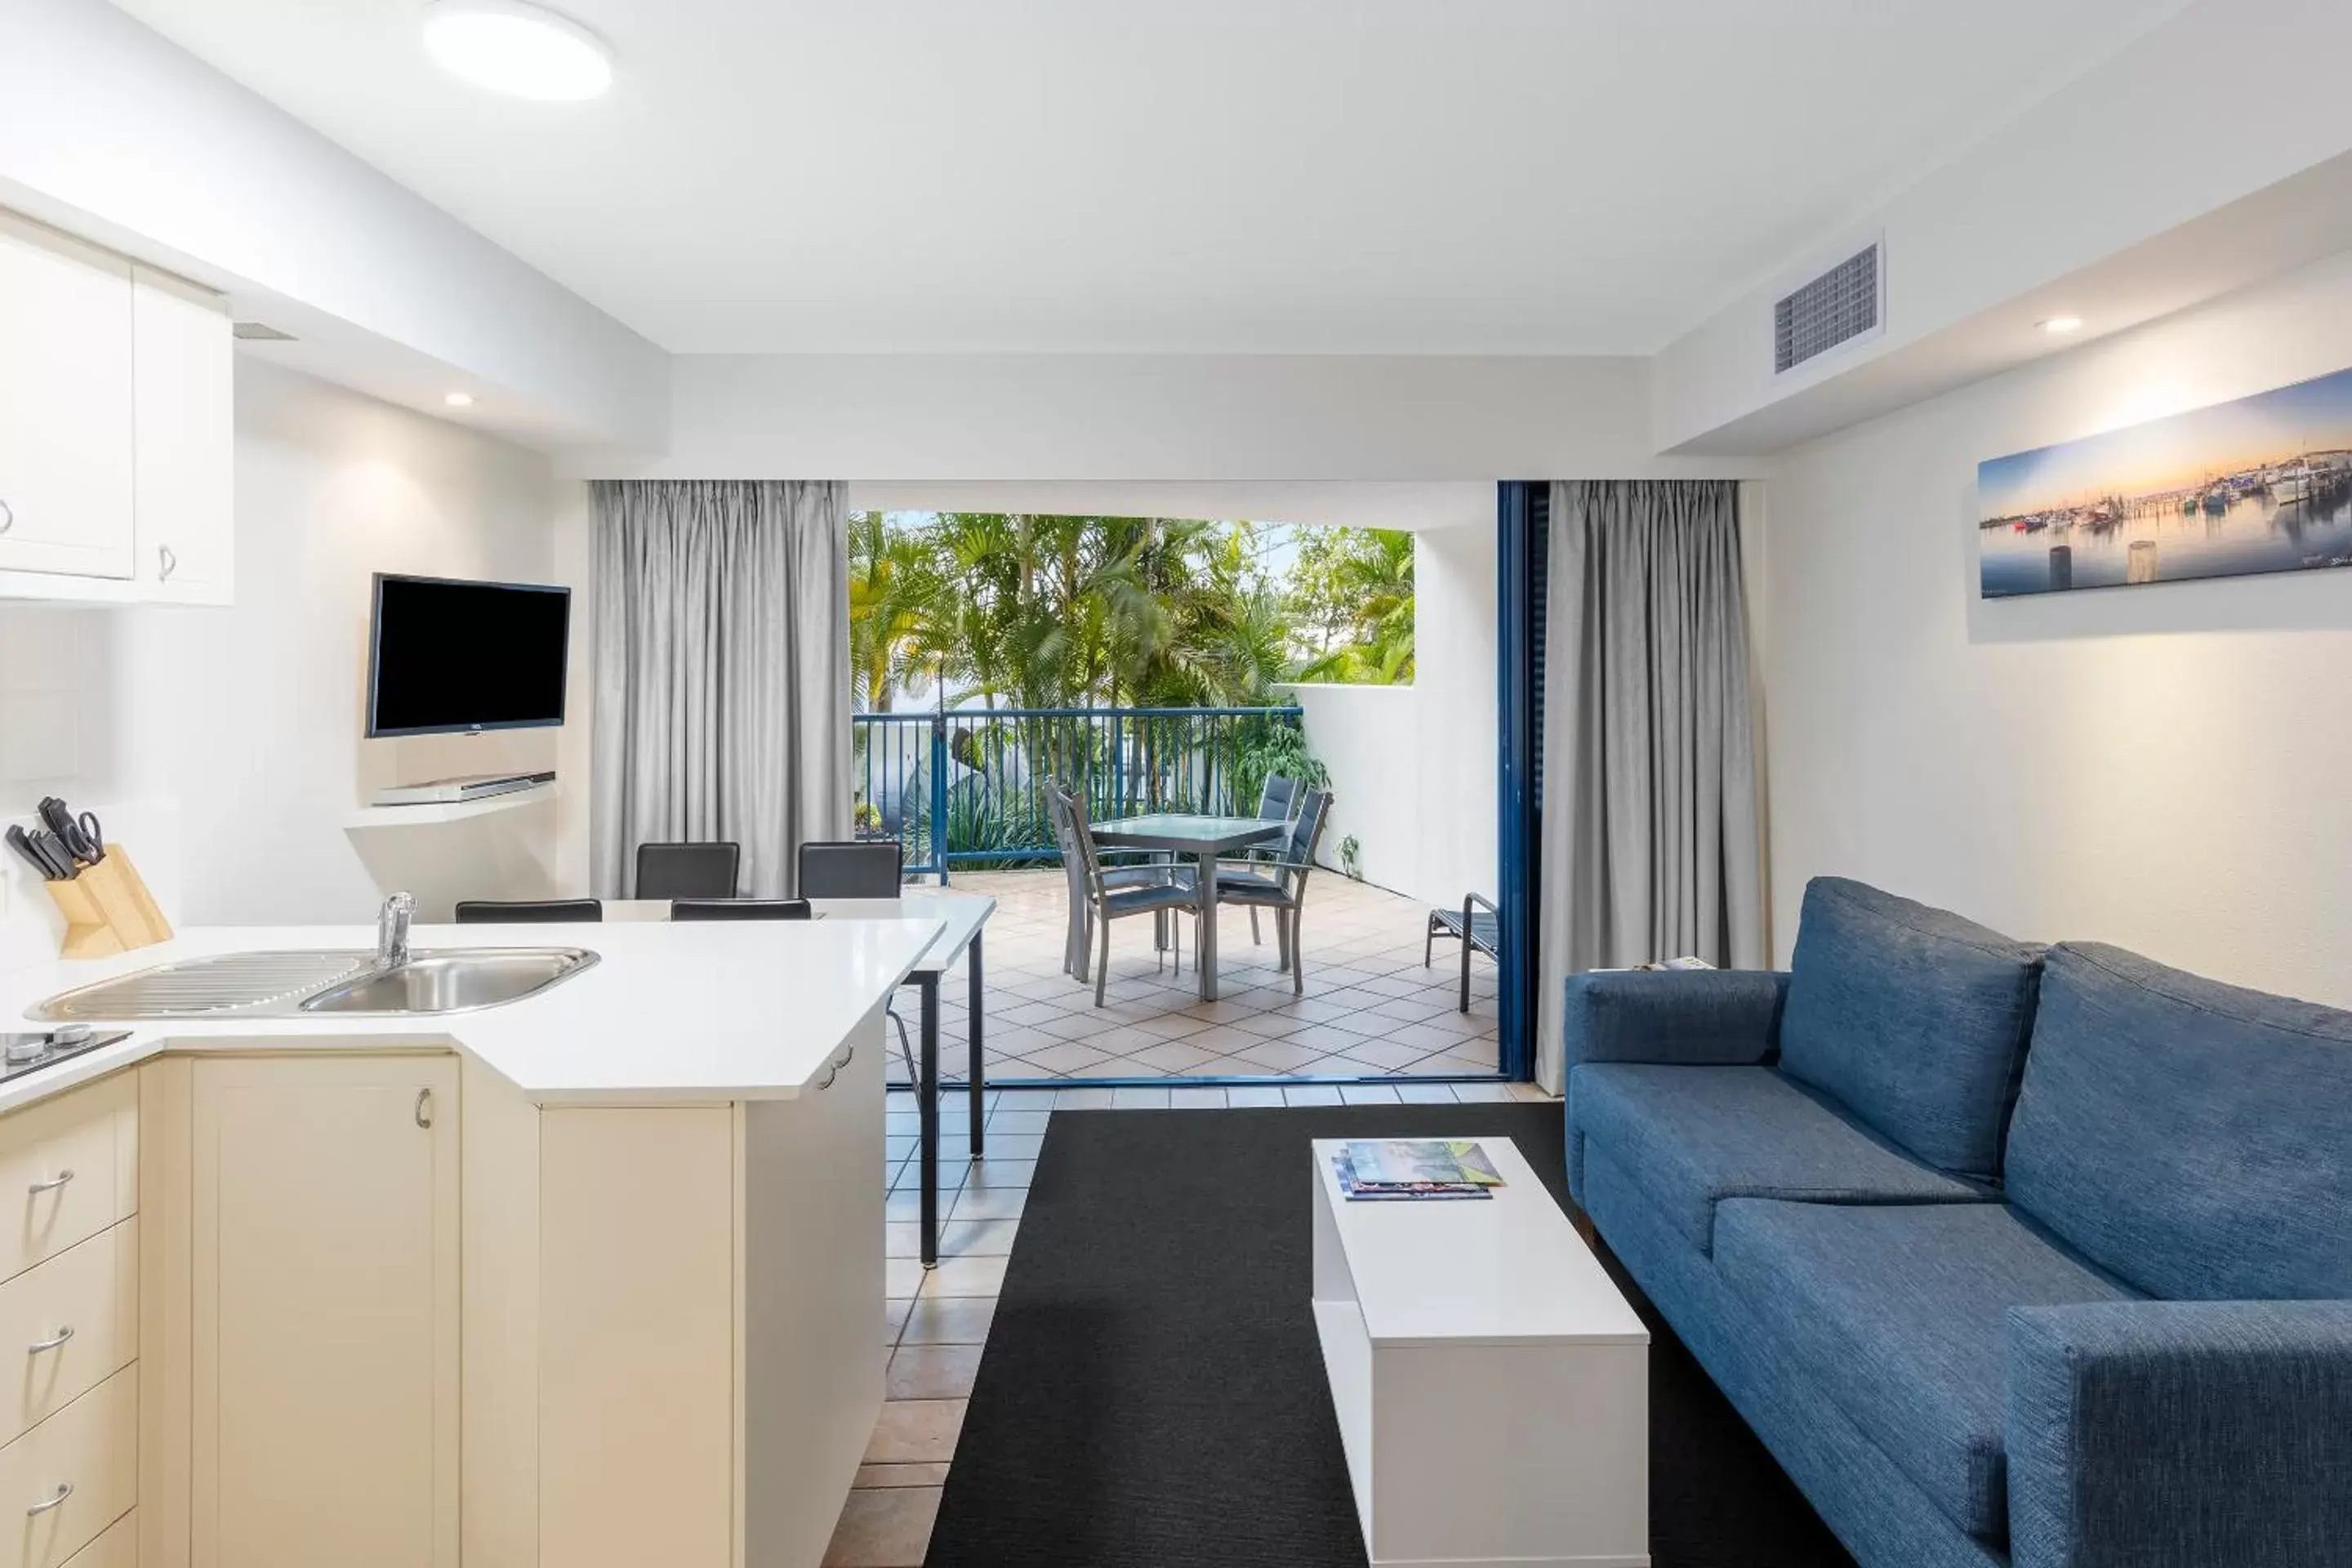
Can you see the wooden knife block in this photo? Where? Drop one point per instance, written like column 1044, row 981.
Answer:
column 108, row 909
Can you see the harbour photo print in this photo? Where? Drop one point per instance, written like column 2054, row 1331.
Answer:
column 2261, row 484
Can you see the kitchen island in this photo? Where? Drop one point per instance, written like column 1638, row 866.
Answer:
column 592, row 1277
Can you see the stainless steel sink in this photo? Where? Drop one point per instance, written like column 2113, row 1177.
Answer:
column 291, row 985
column 455, row 982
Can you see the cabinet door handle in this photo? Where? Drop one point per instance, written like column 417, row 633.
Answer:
column 52, row 1185
column 65, row 1490
column 425, row 1107
column 165, row 562
column 7, row 516
column 52, row 1343
column 837, row 1068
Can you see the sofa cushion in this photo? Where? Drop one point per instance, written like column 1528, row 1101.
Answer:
column 1914, row 1018
column 2190, row 1137
column 1692, row 1136
column 1900, row 1314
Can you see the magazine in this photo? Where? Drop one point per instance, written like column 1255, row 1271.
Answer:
column 1412, row 1170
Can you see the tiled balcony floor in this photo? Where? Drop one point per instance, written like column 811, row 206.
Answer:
column 1369, row 1009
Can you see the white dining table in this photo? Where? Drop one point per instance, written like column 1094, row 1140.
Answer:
column 964, row 916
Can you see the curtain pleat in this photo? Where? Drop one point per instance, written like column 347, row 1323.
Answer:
column 722, row 672
column 1651, row 847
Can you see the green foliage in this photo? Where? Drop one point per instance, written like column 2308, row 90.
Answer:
column 1350, row 595
column 1269, row 747
column 1034, row 611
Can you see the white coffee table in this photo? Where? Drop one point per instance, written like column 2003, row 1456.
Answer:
column 1492, row 1385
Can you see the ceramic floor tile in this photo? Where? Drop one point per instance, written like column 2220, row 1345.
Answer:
column 1170, row 1056
column 1012, row 1145
column 1367, row 1094
column 894, row 1317
column 885, row 1529
column 1481, row 1093
column 1018, row 1122
column 1082, row 1099
column 1310, row 1094
column 949, row 1320
column 1196, row 1099
column 916, row 1431
column 995, row 1174
column 1386, row 1055
column 1253, row 1096
column 1278, row 1056
column 1425, row 1093
column 989, row 1203
column 931, row 1372
column 976, row 1276
column 1139, row 1098
column 1066, row 1057
column 977, row 1238
column 870, row 1477
column 901, row 1276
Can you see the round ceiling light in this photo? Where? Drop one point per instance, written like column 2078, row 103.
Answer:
column 516, row 49
column 2058, row 326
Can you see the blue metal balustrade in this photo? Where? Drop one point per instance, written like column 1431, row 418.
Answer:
column 960, row 788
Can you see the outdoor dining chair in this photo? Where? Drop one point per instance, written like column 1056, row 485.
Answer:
column 1275, row 800
column 1114, row 892
column 1282, row 885
column 1065, row 808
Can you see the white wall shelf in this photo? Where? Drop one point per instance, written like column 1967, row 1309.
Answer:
column 429, row 812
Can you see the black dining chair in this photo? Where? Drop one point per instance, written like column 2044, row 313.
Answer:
column 526, row 912
column 1276, row 799
column 697, row 871
column 739, row 909
column 852, row 868
column 857, row 868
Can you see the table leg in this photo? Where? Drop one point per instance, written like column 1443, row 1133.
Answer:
column 1205, row 960
column 926, row 1100
column 973, row 1013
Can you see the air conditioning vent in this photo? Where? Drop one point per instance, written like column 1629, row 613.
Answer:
column 1837, row 307
column 260, row 332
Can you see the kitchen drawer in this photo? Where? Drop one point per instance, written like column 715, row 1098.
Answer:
column 93, row 1133
column 88, row 1294
column 90, row 1451
column 117, row 1548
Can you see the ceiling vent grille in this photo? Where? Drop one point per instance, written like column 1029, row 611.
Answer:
column 1837, row 307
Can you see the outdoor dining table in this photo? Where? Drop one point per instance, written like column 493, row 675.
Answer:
column 1206, row 839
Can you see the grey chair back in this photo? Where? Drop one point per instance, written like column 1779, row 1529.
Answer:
column 1305, row 833
column 697, row 870
column 526, row 912
column 739, row 909
column 853, row 868
column 1274, row 801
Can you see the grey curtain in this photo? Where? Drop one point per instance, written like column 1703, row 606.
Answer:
column 1651, row 847
column 722, row 672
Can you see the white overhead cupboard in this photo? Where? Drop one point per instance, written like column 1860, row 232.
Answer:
column 116, row 426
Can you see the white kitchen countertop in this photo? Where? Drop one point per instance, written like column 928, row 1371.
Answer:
column 693, row 1014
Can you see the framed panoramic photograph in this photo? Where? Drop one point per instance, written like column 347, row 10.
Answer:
column 2263, row 484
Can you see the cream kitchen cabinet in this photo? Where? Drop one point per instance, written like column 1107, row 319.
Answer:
column 66, row 374
column 306, row 1308
column 184, row 439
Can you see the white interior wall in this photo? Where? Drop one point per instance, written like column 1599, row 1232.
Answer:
column 223, row 745
column 2148, row 766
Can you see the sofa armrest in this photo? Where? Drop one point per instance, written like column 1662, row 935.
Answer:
column 2173, row 1434
column 1696, row 1018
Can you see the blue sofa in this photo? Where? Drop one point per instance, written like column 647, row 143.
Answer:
column 2012, row 1256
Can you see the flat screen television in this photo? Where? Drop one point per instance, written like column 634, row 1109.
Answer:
column 450, row 657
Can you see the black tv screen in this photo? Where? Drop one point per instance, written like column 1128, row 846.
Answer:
column 447, row 656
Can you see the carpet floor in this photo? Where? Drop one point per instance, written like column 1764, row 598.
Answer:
column 1152, row 1392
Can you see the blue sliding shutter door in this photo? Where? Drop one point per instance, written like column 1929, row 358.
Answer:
column 1524, row 516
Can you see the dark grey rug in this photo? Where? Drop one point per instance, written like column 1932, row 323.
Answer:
column 1152, row 1393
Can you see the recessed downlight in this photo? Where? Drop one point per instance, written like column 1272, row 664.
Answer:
column 516, row 49
column 2059, row 326
column 458, row 399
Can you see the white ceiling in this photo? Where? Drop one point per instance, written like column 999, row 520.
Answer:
column 1278, row 176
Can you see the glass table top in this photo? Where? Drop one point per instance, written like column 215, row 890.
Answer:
column 1175, row 829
